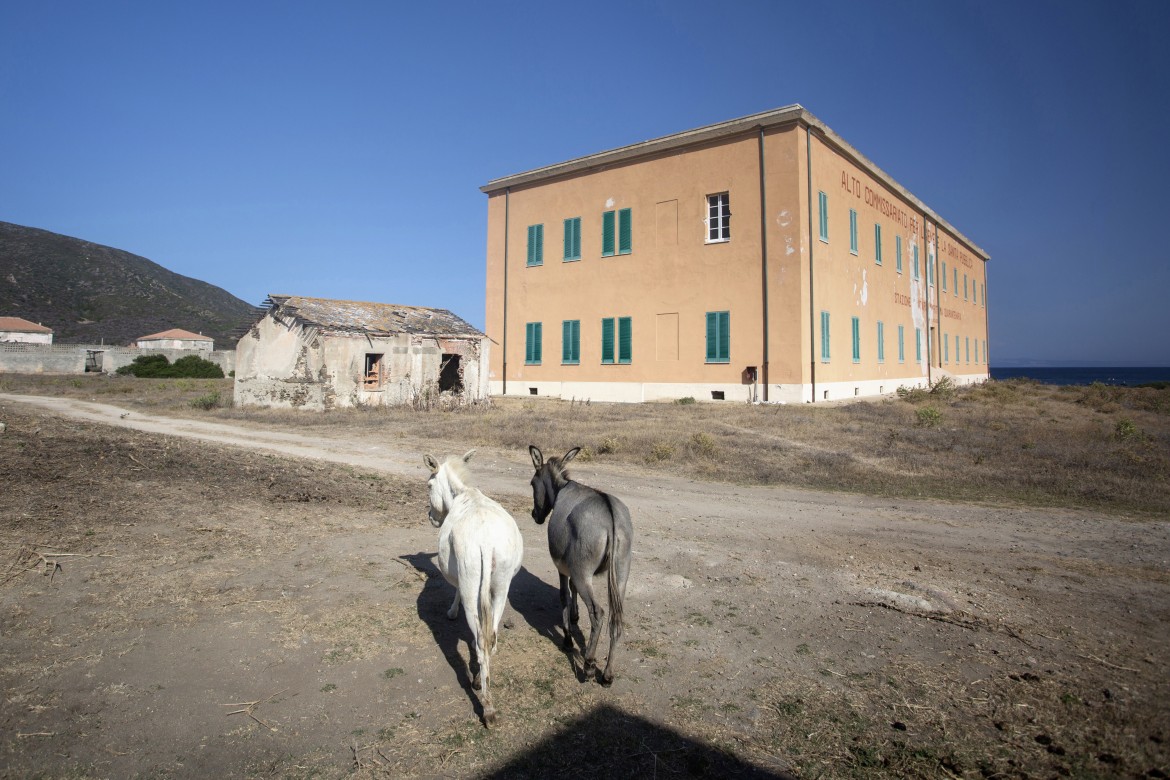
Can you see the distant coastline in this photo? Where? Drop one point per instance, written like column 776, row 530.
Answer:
column 1085, row 375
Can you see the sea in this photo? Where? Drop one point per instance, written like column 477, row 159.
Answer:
column 1077, row 375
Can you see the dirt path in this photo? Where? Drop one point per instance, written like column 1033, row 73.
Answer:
column 1010, row 634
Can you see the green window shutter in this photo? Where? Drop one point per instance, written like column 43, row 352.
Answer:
column 607, row 233
column 823, row 200
column 532, row 343
column 881, row 334
column 877, row 243
column 539, row 339
column 825, row 336
column 625, row 340
column 898, row 252
column 607, row 340
column 573, row 238
column 955, row 271
column 718, row 337
column 930, row 268
column 853, row 231
column 625, row 232
column 916, row 276
column 918, row 344
column 946, row 348
column 856, row 340
column 712, row 336
column 567, row 341
column 901, row 344
column 725, row 335
column 944, row 277
column 535, row 244
column 964, row 286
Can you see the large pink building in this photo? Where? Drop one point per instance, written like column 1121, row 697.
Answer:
column 763, row 258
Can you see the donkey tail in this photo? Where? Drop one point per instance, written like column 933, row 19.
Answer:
column 487, row 627
column 614, row 552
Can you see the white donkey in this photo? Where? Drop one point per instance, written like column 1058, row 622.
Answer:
column 480, row 550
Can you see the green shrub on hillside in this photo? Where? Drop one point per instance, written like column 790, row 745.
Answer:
column 158, row 367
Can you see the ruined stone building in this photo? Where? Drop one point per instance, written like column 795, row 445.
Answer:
column 315, row 353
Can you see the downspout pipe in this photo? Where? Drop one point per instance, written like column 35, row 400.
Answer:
column 764, row 260
column 812, row 314
column 507, row 193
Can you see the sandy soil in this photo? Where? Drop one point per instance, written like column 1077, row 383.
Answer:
column 189, row 598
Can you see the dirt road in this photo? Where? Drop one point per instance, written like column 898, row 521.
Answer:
column 1023, row 638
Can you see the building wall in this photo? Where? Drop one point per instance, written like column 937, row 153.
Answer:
column 286, row 366
column 24, row 337
column 673, row 277
column 73, row 358
column 204, row 344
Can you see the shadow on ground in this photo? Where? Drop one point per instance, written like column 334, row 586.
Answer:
column 609, row 743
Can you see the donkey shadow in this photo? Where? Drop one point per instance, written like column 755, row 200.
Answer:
column 529, row 596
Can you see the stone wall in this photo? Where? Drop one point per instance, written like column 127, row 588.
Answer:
column 77, row 358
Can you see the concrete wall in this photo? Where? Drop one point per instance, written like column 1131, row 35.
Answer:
column 73, row 358
column 283, row 365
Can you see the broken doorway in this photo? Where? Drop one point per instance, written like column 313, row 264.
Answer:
column 451, row 374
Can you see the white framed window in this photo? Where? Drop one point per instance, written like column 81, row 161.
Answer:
column 718, row 218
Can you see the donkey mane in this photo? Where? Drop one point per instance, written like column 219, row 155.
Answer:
column 558, row 472
column 458, row 468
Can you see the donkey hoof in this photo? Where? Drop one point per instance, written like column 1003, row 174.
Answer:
column 489, row 716
column 590, row 666
column 607, row 679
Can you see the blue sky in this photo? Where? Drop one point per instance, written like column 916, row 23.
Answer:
column 337, row 149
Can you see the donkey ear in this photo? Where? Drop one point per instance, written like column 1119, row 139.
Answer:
column 432, row 464
column 537, row 457
column 467, row 457
column 570, row 455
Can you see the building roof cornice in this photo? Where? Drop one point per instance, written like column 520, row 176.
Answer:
column 788, row 115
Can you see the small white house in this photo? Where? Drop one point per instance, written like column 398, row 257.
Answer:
column 316, row 353
column 21, row 330
column 176, row 339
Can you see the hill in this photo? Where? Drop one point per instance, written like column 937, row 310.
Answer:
column 89, row 293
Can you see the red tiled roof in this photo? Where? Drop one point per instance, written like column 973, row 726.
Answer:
column 175, row 333
column 20, row 325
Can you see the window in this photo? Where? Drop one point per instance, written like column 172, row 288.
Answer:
column 901, row 344
column 916, row 276
column 881, row 333
column 977, row 351
column 984, row 299
column 536, row 244
column 877, row 243
column 853, row 231
column 946, row 347
column 624, row 340
column 718, row 218
column 572, row 239
column 624, row 232
column 824, row 204
column 898, row 253
column 957, row 348
column 985, row 358
column 718, row 337
column 944, row 276
column 532, row 344
column 571, row 342
column 964, row 286
column 372, row 378
column 974, row 295
column 967, row 344
column 930, row 269
column 918, row 344
column 955, row 271
column 824, row 337
column 856, row 340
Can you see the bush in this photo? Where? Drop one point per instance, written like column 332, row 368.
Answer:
column 684, row 400
column 206, row 402
column 158, row 367
column 1125, row 429
column 929, row 417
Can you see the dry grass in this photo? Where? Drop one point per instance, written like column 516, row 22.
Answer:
column 1014, row 441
